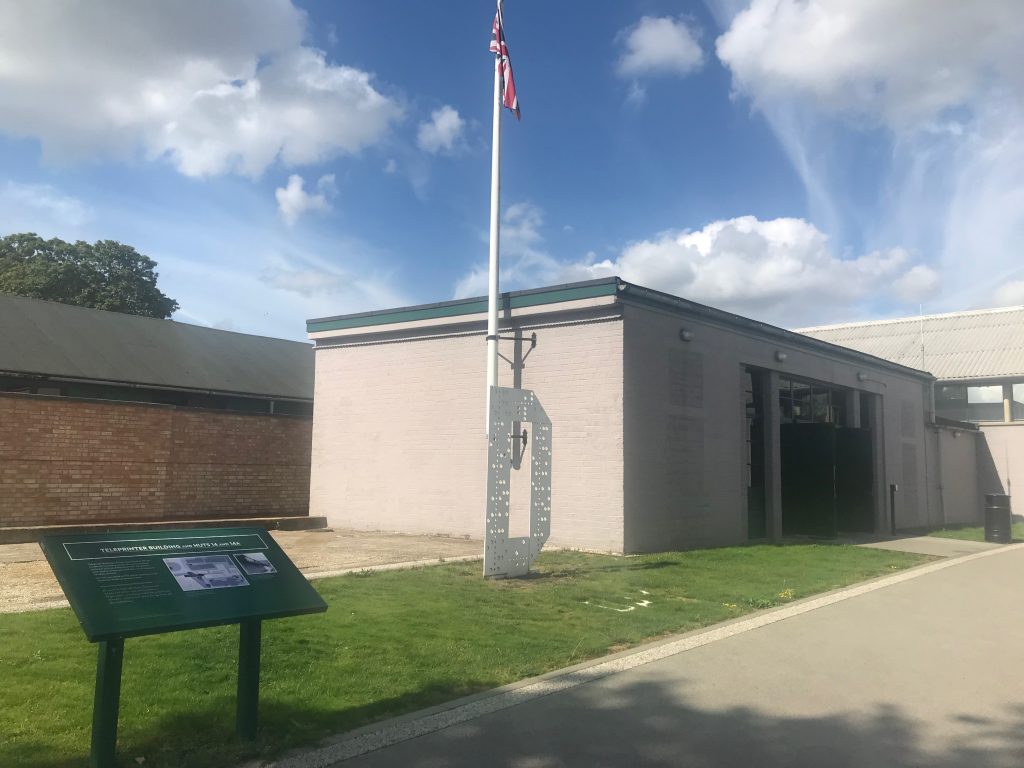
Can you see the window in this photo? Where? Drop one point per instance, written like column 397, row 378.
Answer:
column 951, row 401
column 804, row 403
column 985, row 403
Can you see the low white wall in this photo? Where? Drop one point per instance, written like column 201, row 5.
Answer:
column 960, row 497
column 1001, row 461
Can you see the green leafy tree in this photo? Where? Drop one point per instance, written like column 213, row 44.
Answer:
column 104, row 275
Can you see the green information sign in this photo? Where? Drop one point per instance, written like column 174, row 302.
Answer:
column 144, row 582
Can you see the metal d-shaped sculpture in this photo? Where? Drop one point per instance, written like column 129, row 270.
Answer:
column 505, row 556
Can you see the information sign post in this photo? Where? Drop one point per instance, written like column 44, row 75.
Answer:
column 123, row 585
column 106, row 703
column 248, row 678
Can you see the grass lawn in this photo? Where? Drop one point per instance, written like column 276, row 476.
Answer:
column 976, row 533
column 390, row 643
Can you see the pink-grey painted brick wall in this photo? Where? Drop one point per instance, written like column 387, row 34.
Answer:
column 399, row 437
column 684, row 429
column 959, row 496
column 1001, row 461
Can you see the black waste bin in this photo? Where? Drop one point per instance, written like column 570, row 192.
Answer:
column 998, row 518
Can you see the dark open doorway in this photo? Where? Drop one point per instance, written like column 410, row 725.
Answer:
column 827, row 467
column 855, row 503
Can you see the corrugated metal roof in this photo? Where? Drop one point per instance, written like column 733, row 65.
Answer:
column 59, row 340
column 982, row 344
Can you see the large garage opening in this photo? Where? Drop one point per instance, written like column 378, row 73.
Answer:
column 826, row 455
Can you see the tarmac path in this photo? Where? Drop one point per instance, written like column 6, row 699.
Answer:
column 922, row 668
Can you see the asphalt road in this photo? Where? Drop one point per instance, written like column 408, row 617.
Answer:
column 923, row 672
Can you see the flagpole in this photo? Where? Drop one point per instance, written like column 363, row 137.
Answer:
column 492, row 279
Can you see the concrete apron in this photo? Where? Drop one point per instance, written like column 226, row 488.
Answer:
column 935, row 546
column 367, row 740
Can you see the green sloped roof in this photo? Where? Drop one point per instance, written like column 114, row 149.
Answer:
column 62, row 341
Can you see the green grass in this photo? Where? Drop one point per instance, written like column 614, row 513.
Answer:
column 976, row 533
column 390, row 643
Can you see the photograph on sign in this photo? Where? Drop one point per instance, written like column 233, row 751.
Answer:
column 205, row 572
column 255, row 563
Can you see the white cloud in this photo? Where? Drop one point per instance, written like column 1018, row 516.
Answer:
column 523, row 261
column 24, row 207
column 293, row 200
column 902, row 61
column 441, row 132
column 782, row 270
column 306, row 282
column 1010, row 294
column 946, row 88
column 918, row 284
column 326, row 288
column 212, row 87
column 981, row 217
column 636, row 95
column 659, row 45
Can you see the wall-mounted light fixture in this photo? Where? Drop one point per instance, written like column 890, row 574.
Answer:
column 780, row 356
column 685, row 335
column 861, row 376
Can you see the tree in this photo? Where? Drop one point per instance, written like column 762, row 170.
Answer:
column 105, row 275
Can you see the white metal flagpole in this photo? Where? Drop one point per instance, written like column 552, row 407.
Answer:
column 492, row 279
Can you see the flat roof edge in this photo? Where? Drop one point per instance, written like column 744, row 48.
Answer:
column 641, row 295
column 533, row 297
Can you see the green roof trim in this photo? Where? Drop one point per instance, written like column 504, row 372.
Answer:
column 627, row 293
column 515, row 300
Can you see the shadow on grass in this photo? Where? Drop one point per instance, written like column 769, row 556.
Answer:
column 541, row 574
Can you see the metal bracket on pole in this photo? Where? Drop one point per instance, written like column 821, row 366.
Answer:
column 522, row 360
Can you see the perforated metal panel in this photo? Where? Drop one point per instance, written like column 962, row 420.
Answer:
column 505, row 556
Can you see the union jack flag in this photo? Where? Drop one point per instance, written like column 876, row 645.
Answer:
column 500, row 48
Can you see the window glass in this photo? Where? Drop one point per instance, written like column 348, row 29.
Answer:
column 951, row 401
column 1018, row 401
column 985, row 403
column 804, row 403
column 989, row 394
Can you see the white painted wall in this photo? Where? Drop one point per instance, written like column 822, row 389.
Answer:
column 648, row 431
column 679, row 496
column 399, row 441
column 960, row 498
column 1001, row 461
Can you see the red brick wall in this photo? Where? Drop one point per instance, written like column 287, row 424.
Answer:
column 81, row 461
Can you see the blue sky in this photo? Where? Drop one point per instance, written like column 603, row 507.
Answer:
column 797, row 161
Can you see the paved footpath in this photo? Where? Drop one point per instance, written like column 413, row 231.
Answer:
column 922, row 668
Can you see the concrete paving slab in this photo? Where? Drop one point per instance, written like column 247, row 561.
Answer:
column 20, row 553
column 933, row 545
column 918, row 669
